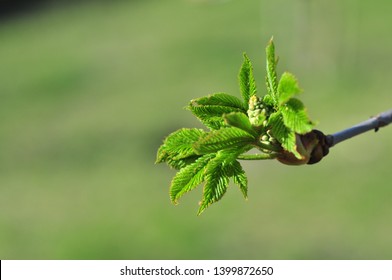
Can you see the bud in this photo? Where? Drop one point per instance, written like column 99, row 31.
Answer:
column 311, row 146
column 264, row 138
column 253, row 102
column 321, row 150
column 265, row 143
column 255, row 111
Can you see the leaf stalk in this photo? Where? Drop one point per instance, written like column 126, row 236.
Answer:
column 257, row 156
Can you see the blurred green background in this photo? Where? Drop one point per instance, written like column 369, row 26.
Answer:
column 88, row 92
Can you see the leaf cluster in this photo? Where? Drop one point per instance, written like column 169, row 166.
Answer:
column 289, row 115
column 235, row 126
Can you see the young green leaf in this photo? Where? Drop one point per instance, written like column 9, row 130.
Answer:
column 221, row 99
column 239, row 177
column 189, row 177
column 177, row 149
column 240, row 120
column 217, row 175
column 247, row 81
column 268, row 100
column 284, row 135
column 209, row 115
column 295, row 117
column 224, row 138
column 209, row 109
column 178, row 163
column 287, row 87
column 214, row 189
column 271, row 72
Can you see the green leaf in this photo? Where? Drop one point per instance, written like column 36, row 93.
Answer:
column 271, row 71
column 247, row 81
column 210, row 109
column 217, row 175
column 284, row 135
column 210, row 115
column 178, row 163
column 189, row 177
column 224, row 138
column 295, row 116
column 222, row 99
column 179, row 144
column 268, row 100
column 240, row 120
column 239, row 178
column 288, row 87
column 214, row 189
column 177, row 149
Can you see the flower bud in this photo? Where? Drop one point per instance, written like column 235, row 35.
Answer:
column 264, row 138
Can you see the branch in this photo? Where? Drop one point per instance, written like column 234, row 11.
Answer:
column 257, row 156
column 375, row 123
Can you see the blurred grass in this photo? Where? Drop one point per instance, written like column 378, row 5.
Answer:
column 88, row 92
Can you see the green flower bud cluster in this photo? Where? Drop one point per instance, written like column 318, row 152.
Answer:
column 267, row 139
column 269, row 143
column 257, row 113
